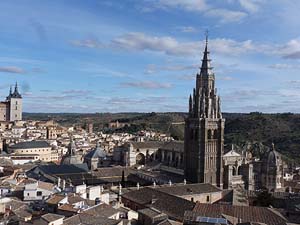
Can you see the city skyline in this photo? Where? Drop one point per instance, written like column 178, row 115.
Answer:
column 143, row 56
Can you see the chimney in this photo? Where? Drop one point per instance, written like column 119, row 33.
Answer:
column 154, row 184
column 120, row 189
column 59, row 182
column 184, row 181
column 63, row 185
column 170, row 183
column 138, row 186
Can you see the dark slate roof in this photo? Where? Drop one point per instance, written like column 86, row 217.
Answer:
column 102, row 209
column 64, row 169
column 177, row 146
column 71, row 159
column 169, row 204
column 86, row 219
column 50, row 217
column 30, row 144
column 181, row 189
column 96, row 153
column 150, row 212
column 244, row 213
column 147, row 144
column 116, row 171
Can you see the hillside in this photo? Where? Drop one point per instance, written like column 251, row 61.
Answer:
column 254, row 128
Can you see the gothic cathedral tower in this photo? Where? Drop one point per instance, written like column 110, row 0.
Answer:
column 204, row 130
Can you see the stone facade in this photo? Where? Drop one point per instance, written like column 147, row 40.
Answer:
column 238, row 171
column 11, row 108
column 204, row 130
column 271, row 175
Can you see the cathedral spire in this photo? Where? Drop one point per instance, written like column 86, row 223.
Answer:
column 16, row 87
column 206, row 68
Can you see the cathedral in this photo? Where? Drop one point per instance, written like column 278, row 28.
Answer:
column 204, row 158
column 11, row 108
column 204, row 129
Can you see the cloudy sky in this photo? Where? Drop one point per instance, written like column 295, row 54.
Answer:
column 142, row 55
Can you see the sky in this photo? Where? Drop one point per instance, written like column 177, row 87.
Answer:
column 89, row 56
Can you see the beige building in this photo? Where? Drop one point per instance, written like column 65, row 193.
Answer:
column 11, row 108
column 41, row 148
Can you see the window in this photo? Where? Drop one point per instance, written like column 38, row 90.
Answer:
column 207, row 198
column 39, row 193
column 27, row 194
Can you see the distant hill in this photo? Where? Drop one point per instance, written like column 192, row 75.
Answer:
column 255, row 128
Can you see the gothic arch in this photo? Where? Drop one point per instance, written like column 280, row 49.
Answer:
column 233, row 171
column 209, row 134
column 239, row 170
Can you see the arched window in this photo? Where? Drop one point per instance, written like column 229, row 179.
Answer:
column 209, row 134
column 239, row 170
column 191, row 134
column 233, row 171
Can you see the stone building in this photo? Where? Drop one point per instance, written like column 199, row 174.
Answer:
column 272, row 170
column 71, row 157
column 97, row 158
column 137, row 153
column 238, row 171
column 11, row 108
column 243, row 170
column 204, row 130
column 42, row 149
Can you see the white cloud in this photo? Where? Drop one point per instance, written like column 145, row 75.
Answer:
column 167, row 45
column 283, row 66
column 187, row 29
column 150, row 69
column 146, row 84
column 88, row 43
column 289, row 50
column 188, row 5
column 251, row 6
column 136, row 41
column 11, row 69
column 225, row 15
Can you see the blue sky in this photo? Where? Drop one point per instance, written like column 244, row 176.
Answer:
column 143, row 55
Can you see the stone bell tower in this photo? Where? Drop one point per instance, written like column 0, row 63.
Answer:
column 204, row 129
column 15, row 105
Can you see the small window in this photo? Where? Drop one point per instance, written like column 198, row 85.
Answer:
column 39, row 193
column 207, row 198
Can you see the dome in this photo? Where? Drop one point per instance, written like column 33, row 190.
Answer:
column 71, row 159
column 96, row 153
column 272, row 157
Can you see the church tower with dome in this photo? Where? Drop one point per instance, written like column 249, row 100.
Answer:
column 71, row 157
